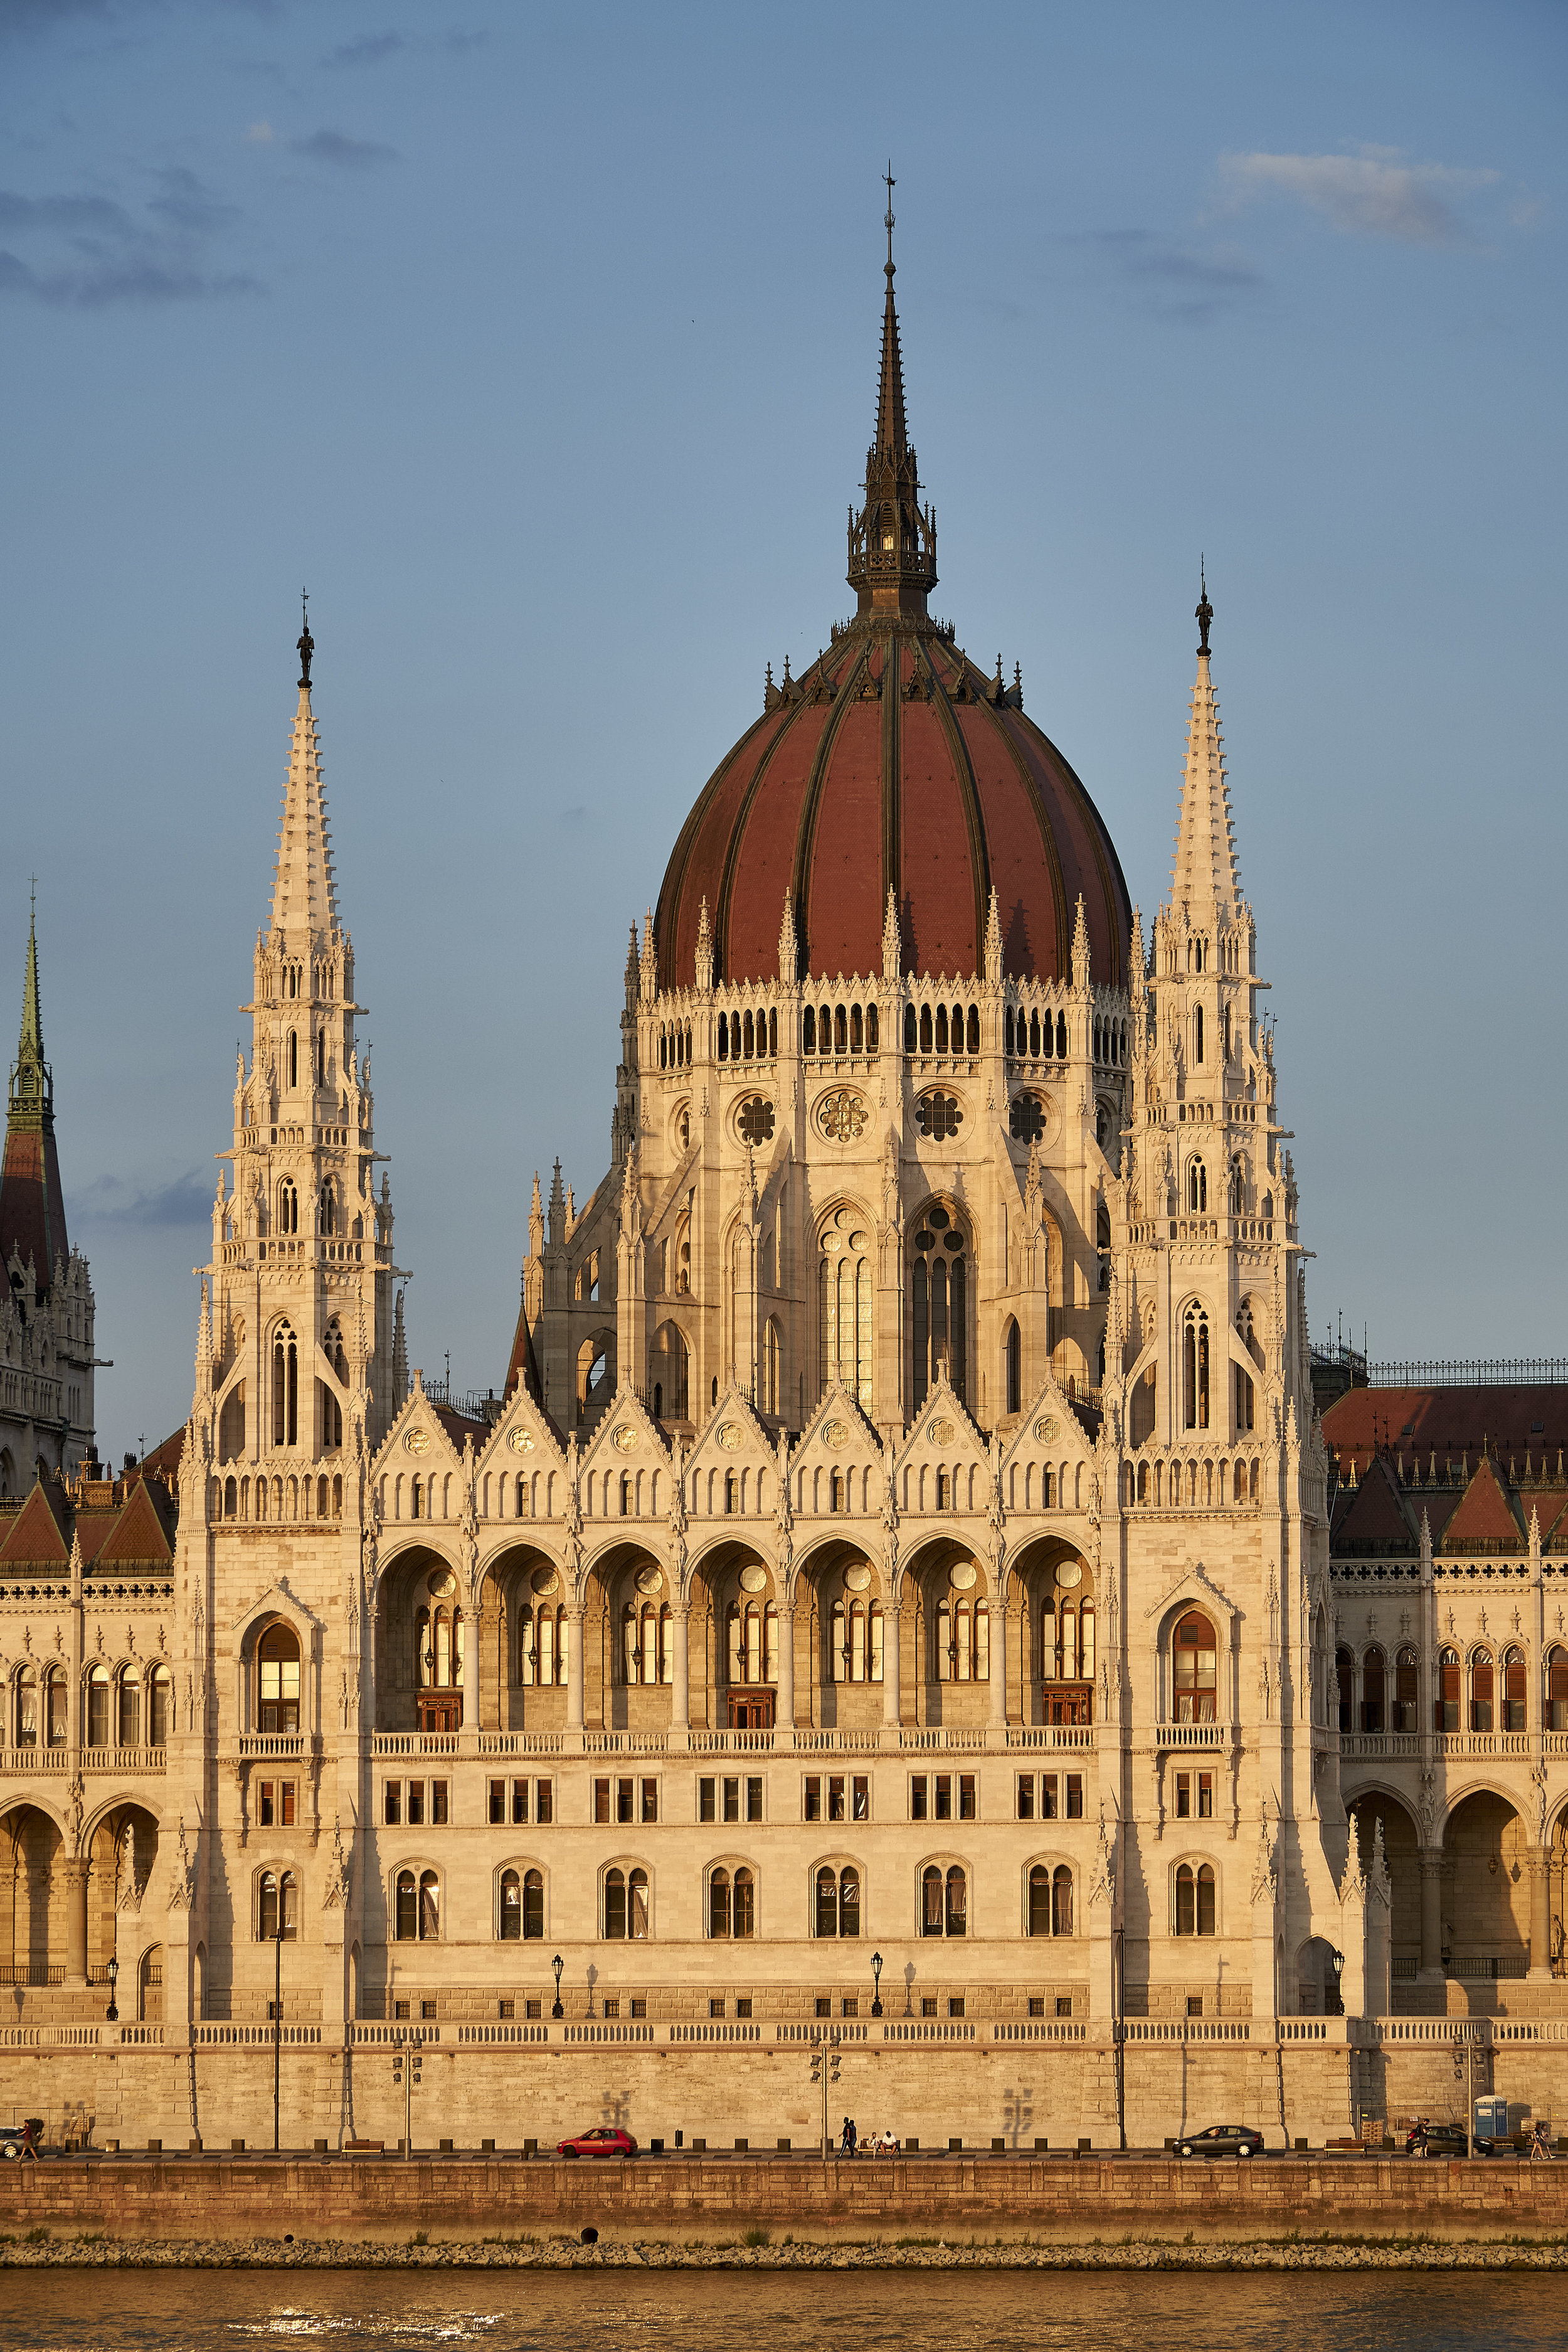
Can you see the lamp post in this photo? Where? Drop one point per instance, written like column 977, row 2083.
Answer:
column 876, row 1984
column 111, row 2014
column 556, row 1965
column 278, row 2022
column 1336, row 1961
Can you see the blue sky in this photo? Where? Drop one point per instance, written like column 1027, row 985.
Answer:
column 542, row 343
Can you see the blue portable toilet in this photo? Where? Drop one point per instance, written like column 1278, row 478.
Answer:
column 1492, row 2118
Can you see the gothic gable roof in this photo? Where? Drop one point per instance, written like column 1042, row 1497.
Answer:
column 143, row 1536
column 1373, row 1514
column 1483, row 1515
column 39, row 1534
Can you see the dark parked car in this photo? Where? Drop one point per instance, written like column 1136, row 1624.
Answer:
column 1223, row 2139
column 1449, row 2139
column 599, row 2141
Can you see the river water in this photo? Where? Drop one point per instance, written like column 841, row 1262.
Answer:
column 345, row 2311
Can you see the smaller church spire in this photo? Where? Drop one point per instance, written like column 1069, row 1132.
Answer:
column 893, row 540
column 305, row 894
column 1205, row 877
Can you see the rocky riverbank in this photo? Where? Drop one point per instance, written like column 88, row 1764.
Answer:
column 41, row 2251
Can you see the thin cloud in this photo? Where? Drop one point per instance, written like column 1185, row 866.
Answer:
column 1184, row 284
column 186, row 1200
column 369, row 49
column 260, row 134
column 337, row 148
column 1373, row 192
column 91, row 252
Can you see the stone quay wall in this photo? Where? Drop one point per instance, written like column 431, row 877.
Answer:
column 727, row 2085
column 357, row 2201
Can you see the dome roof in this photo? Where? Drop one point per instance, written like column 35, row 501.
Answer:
column 892, row 765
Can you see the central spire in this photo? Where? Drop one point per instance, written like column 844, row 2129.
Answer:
column 893, row 541
column 1204, row 874
column 304, row 898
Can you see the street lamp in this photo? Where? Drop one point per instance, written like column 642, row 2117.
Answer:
column 876, row 1984
column 111, row 2014
column 557, row 1964
column 1336, row 1961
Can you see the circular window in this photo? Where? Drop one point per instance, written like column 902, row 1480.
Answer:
column 1027, row 1119
column 924, row 1240
column 842, row 1115
column 939, row 1217
column 939, row 1116
column 756, row 1121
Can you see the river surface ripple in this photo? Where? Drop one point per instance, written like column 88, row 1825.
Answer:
column 828, row 2312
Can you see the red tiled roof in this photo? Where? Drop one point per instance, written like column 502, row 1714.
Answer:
column 1483, row 1515
column 1450, row 1423
column 39, row 1534
column 1375, row 1513
column 144, row 1534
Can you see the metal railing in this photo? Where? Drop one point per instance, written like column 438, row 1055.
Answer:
column 1482, row 1372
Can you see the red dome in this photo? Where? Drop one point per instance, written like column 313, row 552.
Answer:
column 941, row 792
column 937, row 788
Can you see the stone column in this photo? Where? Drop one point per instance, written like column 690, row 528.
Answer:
column 574, row 1670
column 1432, row 1914
column 75, row 1922
column 1539, row 1914
column 890, row 1667
column 998, row 1690
column 784, row 1705
column 680, row 1669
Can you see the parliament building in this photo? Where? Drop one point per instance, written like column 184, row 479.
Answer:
column 889, row 1598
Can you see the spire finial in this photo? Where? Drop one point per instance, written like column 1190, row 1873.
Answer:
column 306, row 643
column 1204, row 612
column 887, row 218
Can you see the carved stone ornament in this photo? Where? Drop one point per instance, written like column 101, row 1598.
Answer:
column 650, row 1581
column 941, row 1433
column 962, row 1575
column 544, row 1581
column 416, row 1441
column 732, row 1437
column 754, row 1580
column 520, row 1440
column 335, row 1886
column 1068, row 1572
column 842, row 1115
column 837, row 1433
column 1045, row 1428
column 858, row 1579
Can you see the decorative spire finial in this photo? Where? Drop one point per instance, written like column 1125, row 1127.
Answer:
column 887, row 218
column 1204, row 612
column 307, row 643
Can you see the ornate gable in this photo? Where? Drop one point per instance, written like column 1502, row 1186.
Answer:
column 417, row 1442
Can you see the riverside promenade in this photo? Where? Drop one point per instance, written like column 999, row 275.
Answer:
column 228, row 2206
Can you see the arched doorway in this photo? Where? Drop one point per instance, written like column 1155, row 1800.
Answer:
column 958, row 1642
column 628, row 1641
column 523, row 1643
column 32, row 1899
column 423, row 1639
column 1485, row 1890
column 1059, row 1635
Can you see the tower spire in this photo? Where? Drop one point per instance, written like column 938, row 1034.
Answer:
column 892, row 541
column 1205, row 872
column 32, row 1205
column 304, row 898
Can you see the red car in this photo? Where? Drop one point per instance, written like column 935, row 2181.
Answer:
column 601, row 2141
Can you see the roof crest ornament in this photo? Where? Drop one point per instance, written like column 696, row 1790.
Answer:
column 306, row 644
column 1204, row 615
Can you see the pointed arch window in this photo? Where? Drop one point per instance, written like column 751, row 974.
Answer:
column 1195, row 1368
column 320, row 1058
column 1446, row 1705
column 838, row 1903
column 1196, row 1654
column 1197, row 1187
column 96, row 1707
column 1482, row 1677
column 1406, row 1692
column 1556, row 1693
column 846, row 1289
column 1513, row 1698
column 277, row 1680
column 938, row 1305
column 284, row 1387
column 1374, row 1690
column 1195, row 1900
column 287, row 1207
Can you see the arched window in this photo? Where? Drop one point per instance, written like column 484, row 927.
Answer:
column 957, row 1904
column 1481, row 1679
column 277, row 1680
column 128, row 1726
column 1014, row 1367
column 327, row 1210
column 847, row 1283
column 1374, row 1680
column 626, row 1905
column 27, row 1709
column 1406, row 1689
column 1195, row 1368
column 1446, row 1703
column 1040, row 1900
column 56, row 1709
column 277, row 1900
column 1196, row 1677
column 1062, row 1901
column 97, row 1708
column 511, row 1908
column 533, row 1905
column 719, row 1905
column 939, row 1303
column 1557, row 1689
column 1197, row 1038
column 1513, row 1698
column 1344, row 1678
column 909, row 1044
column 925, row 1029
column 293, row 1058
column 284, row 1388
column 770, row 1354
column 1195, row 1899
column 429, row 1907
column 1197, row 1187
column 542, row 1646
column 743, row 1908
column 406, row 1921
column 838, row 1905
column 288, row 1207
column 973, row 1027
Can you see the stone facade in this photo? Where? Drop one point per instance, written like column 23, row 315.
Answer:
column 891, row 1596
